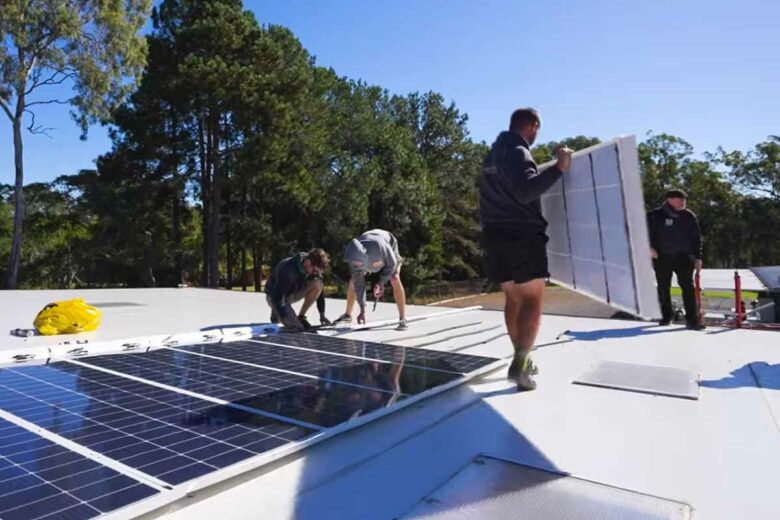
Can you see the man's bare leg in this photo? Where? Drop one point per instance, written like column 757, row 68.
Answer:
column 400, row 295
column 522, row 314
column 313, row 292
column 351, row 298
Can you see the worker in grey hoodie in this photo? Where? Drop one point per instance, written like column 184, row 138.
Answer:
column 374, row 251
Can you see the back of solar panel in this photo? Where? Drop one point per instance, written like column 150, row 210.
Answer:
column 599, row 242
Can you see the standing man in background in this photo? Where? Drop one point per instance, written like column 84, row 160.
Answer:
column 675, row 245
column 514, row 236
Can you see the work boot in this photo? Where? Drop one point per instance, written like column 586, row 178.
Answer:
column 520, row 371
column 305, row 322
column 344, row 318
column 534, row 368
column 513, row 368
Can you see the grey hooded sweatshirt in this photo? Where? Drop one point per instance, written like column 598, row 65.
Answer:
column 374, row 251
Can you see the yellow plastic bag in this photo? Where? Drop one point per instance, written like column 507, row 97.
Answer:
column 67, row 317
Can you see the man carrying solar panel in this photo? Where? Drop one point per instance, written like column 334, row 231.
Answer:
column 297, row 278
column 374, row 251
column 514, row 237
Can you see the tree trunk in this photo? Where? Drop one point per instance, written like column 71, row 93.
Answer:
column 257, row 268
column 16, row 245
column 178, row 260
column 241, row 242
column 229, row 243
column 176, row 232
column 205, row 195
column 243, row 268
column 228, row 208
column 216, row 196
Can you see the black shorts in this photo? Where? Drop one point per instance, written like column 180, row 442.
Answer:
column 517, row 259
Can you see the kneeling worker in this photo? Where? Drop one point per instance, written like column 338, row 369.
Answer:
column 297, row 278
column 374, row 251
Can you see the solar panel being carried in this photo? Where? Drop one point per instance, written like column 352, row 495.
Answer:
column 196, row 414
column 598, row 230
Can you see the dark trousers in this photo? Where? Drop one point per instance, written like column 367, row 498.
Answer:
column 682, row 265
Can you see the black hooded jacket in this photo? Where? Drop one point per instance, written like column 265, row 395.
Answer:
column 674, row 232
column 511, row 186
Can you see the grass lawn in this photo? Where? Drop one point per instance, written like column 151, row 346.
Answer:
column 746, row 295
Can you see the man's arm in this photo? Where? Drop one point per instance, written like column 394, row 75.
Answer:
column 528, row 183
column 391, row 266
column 695, row 239
column 321, row 304
column 652, row 232
column 279, row 289
column 359, row 281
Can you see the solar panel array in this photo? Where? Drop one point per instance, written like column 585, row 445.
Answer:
column 122, row 428
column 40, row 479
column 598, row 231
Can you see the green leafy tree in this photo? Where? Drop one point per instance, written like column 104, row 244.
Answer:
column 453, row 161
column 757, row 170
column 756, row 173
column 716, row 205
column 546, row 152
column 53, row 255
column 663, row 158
column 6, row 225
column 92, row 46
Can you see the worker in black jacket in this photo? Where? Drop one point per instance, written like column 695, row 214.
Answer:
column 297, row 278
column 513, row 231
column 675, row 245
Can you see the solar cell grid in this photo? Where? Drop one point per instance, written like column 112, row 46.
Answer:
column 41, row 479
column 213, row 377
column 176, row 414
column 412, row 356
column 321, row 402
column 395, row 377
column 170, row 436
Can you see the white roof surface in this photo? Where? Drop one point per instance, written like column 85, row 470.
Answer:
column 720, row 453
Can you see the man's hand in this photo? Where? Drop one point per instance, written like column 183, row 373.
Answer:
column 698, row 265
column 292, row 323
column 564, row 158
column 379, row 290
column 653, row 253
column 361, row 319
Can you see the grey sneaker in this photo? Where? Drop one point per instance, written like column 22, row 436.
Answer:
column 520, row 371
column 514, row 368
column 344, row 318
column 402, row 325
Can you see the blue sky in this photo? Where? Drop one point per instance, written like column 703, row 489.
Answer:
column 707, row 71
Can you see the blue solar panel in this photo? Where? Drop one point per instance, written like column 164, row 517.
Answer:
column 394, row 377
column 40, row 479
column 162, row 433
column 322, row 401
column 413, row 356
column 271, row 391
